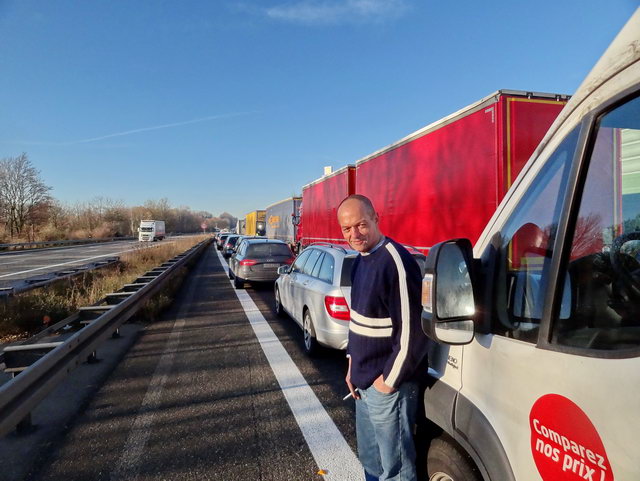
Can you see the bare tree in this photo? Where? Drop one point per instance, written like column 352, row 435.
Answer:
column 22, row 193
column 231, row 221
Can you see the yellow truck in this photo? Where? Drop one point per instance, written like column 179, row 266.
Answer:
column 255, row 223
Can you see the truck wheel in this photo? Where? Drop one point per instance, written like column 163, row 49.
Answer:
column 311, row 346
column 238, row 283
column 278, row 304
column 446, row 461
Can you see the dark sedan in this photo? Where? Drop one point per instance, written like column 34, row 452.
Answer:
column 228, row 248
column 221, row 239
column 258, row 260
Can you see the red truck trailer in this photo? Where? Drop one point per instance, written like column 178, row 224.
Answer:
column 320, row 199
column 446, row 180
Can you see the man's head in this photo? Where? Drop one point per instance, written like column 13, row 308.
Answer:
column 359, row 223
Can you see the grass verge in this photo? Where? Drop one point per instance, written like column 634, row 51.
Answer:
column 25, row 314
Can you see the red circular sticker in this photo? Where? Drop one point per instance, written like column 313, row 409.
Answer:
column 564, row 442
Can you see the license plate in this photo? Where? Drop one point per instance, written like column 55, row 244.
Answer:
column 271, row 265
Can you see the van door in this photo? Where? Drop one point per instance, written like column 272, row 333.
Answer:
column 557, row 378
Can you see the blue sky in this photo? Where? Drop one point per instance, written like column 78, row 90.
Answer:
column 232, row 105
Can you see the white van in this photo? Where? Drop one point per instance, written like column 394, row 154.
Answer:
column 536, row 372
column 151, row 230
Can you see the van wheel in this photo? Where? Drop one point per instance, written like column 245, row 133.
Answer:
column 311, row 346
column 278, row 304
column 238, row 283
column 446, row 461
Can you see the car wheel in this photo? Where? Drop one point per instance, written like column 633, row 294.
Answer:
column 311, row 346
column 446, row 461
column 238, row 283
column 277, row 306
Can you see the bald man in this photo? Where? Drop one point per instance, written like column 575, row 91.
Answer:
column 386, row 344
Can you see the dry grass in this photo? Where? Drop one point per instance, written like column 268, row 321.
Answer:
column 25, row 314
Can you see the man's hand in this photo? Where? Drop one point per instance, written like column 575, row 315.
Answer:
column 381, row 386
column 352, row 389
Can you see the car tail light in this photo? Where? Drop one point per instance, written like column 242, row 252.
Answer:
column 337, row 307
column 248, row 262
column 290, row 260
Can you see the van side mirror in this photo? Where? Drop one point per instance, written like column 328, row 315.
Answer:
column 448, row 301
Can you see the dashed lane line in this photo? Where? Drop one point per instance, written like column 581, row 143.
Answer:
column 326, row 443
column 67, row 263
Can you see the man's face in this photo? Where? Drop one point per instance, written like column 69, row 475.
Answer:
column 359, row 227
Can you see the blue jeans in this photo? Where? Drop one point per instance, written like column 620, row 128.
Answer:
column 384, row 428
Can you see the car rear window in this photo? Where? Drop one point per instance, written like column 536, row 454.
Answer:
column 313, row 260
column 345, row 275
column 268, row 250
column 326, row 271
column 316, row 269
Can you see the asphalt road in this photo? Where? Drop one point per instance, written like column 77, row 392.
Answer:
column 213, row 391
column 20, row 265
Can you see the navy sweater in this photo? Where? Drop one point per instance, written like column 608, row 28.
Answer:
column 385, row 332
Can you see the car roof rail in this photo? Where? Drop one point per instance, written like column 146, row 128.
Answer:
column 407, row 246
column 328, row 244
column 265, row 239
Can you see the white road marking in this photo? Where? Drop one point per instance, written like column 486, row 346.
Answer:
column 128, row 465
column 326, row 443
column 13, row 262
column 66, row 263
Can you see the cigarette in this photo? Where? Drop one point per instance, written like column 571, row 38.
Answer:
column 349, row 395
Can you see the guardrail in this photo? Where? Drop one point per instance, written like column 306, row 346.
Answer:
column 38, row 364
column 41, row 244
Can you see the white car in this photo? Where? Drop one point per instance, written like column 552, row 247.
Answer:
column 316, row 292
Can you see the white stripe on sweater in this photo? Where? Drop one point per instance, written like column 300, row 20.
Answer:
column 404, row 317
column 371, row 321
column 369, row 331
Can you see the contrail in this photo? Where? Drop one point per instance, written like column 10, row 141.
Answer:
column 134, row 131
column 156, row 127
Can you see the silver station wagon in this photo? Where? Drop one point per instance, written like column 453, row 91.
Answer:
column 316, row 292
column 258, row 260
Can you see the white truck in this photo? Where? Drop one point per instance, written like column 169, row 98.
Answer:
column 151, row 230
column 535, row 369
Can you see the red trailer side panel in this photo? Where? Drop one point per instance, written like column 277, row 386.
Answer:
column 441, row 185
column 448, row 181
column 320, row 201
column 526, row 121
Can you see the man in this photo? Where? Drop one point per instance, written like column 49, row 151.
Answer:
column 386, row 344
